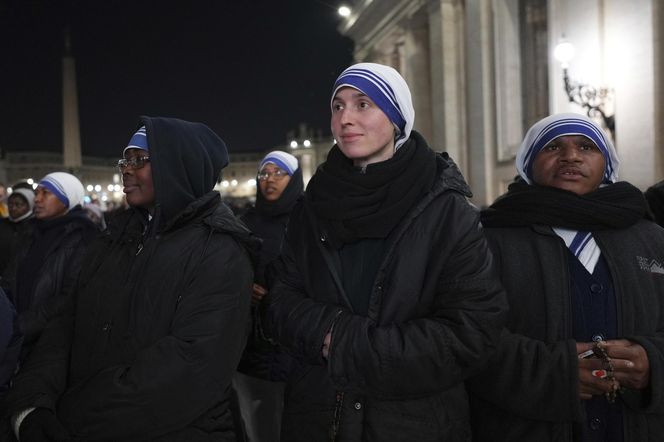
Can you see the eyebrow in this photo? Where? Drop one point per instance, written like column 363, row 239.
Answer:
column 357, row 94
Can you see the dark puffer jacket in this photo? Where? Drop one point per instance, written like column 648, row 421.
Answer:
column 47, row 270
column 14, row 237
column 149, row 348
column 10, row 342
column 268, row 221
column 435, row 312
column 530, row 391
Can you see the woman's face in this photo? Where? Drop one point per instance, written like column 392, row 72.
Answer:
column 137, row 180
column 47, row 205
column 17, row 205
column 362, row 130
column 272, row 181
column 570, row 162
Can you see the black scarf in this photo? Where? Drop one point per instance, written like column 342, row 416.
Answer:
column 286, row 201
column 354, row 203
column 615, row 206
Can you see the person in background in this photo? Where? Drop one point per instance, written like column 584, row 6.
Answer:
column 48, row 266
column 385, row 291
column 264, row 365
column 582, row 357
column 4, row 211
column 148, row 346
column 15, row 230
column 96, row 215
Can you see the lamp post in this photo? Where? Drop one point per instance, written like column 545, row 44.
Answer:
column 587, row 96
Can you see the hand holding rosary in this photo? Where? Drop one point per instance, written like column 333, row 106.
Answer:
column 606, row 372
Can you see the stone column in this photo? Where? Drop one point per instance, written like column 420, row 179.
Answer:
column 448, row 79
column 416, row 72
column 71, row 135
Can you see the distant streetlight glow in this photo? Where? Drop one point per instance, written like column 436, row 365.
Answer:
column 307, row 143
column 293, row 144
column 564, row 53
column 344, row 11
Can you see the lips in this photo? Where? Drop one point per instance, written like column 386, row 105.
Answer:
column 570, row 172
column 129, row 187
column 350, row 137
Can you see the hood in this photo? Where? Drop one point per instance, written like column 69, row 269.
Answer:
column 450, row 177
column 186, row 160
column 223, row 220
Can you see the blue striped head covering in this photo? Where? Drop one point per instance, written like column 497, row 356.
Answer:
column 281, row 159
column 138, row 141
column 385, row 87
column 558, row 125
column 66, row 187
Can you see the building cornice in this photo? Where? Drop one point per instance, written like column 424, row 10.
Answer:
column 372, row 20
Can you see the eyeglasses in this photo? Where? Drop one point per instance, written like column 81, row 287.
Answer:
column 134, row 163
column 277, row 175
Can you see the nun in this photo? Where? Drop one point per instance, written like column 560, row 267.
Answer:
column 16, row 228
column 384, row 292
column 48, row 267
column 582, row 356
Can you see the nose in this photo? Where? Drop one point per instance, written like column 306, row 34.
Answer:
column 569, row 153
column 346, row 116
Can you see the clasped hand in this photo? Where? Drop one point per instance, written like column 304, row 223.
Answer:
column 629, row 363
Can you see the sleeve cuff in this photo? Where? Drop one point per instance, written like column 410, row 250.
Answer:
column 18, row 418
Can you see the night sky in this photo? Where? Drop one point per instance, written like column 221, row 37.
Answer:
column 250, row 69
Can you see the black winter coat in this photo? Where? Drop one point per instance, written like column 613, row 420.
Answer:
column 40, row 286
column 148, row 349
column 10, row 342
column 435, row 312
column 530, row 391
column 14, row 236
column 261, row 358
column 268, row 221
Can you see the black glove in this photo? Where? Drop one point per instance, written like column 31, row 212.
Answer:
column 41, row 425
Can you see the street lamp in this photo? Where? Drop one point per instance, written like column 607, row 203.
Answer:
column 585, row 95
column 344, row 11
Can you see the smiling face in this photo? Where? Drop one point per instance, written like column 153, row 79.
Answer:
column 273, row 186
column 138, row 184
column 362, row 130
column 570, row 162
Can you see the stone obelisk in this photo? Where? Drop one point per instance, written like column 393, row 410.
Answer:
column 71, row 134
